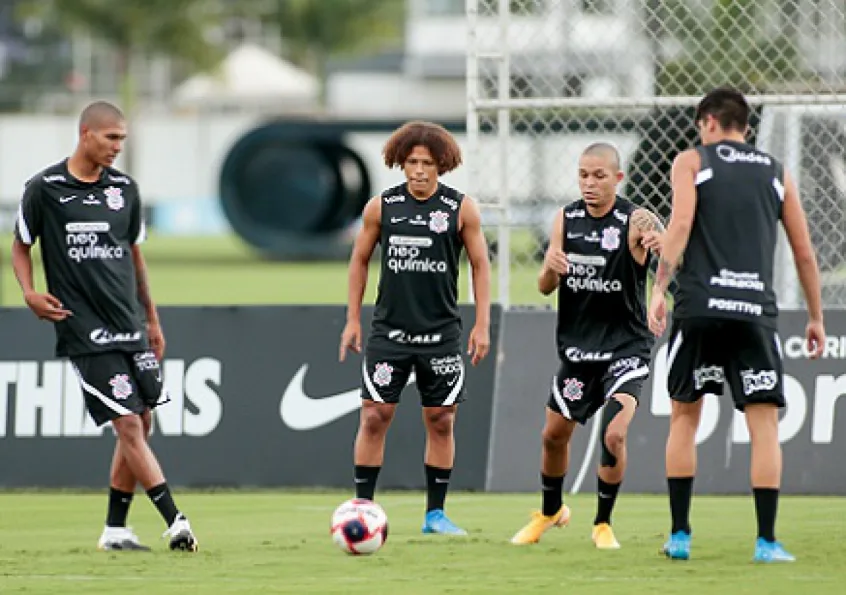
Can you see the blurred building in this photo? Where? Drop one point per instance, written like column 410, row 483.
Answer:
column 557, row 48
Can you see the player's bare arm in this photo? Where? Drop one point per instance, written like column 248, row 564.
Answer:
column 365, row 243
column 555, row 261
column 683, row 179
column 796, row 227
column 44, row 305
column 154, row 328
column 470, row 228
column 646, row 234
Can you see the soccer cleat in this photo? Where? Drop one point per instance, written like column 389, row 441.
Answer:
column 437, row 522
column 120, row 539
column 603, row 537
column 771, row 551
column 539, row 524
column 678, row 546
column 181, row 536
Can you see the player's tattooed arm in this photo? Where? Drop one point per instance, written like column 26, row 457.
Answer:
column 646, row 234
column 645, row 221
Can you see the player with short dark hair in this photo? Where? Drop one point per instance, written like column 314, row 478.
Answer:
column 728, row 198
column 88, row 217
column 597, row 260
column 422, row 226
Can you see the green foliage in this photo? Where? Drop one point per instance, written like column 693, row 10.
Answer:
column 727, row 45
column 174, row 28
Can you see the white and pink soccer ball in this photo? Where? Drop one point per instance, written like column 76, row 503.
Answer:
column 359, row 527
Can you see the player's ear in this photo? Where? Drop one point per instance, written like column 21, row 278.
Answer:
column 620, row 175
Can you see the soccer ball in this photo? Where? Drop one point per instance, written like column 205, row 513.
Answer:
column 359, row 526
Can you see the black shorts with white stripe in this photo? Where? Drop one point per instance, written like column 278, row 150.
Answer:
column 704, row 354
column 580, row 389
column 117, row 383
column 439, row 375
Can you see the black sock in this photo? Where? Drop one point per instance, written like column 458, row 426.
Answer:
column 766, row 506
column 681, row 489
column 551, row 487
column 437, row 482
column 365, row 480
column 606, row 494
column 162, row 498
column 118, row 508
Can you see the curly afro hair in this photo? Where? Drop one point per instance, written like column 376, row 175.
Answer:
column 441, row 144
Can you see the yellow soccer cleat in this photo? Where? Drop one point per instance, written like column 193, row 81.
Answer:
column 539, row 524
column 603, row 537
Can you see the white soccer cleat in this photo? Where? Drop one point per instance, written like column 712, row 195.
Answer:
column 120, row 539
column 181, row 535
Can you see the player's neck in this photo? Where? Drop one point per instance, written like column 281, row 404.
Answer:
column 84, row 169
column 734, row 137
column 424, row 194
column 598, row 212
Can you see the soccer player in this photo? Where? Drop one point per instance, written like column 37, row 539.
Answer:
column 88, row 217
column 422, row 226
column 597, row 260
column 728, row 198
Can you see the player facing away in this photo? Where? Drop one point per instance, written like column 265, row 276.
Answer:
column 597, row 260
column 728, row 198
column 422, row 226
column 88, row 218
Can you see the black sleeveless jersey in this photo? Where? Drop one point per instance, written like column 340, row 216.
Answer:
column 86, row 231
column 727, row 268
column 417, row 303
column 601, row 299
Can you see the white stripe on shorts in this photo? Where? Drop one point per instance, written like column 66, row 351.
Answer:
column 559, row 398
column 368, row 384
column 456, row 390
column 110, row 403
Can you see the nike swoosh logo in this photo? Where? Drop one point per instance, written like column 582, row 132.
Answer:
column 398, row 219
column 573, row 236
column 65, row 199
column 299, row 411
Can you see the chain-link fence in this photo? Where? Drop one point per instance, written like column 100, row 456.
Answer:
column 548, row 77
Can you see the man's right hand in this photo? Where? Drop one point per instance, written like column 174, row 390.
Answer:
column 815, row 338
column 350, row 339
column 555, row 260
column 46, row 306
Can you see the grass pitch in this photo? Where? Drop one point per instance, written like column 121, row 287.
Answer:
column 278, row 542
column 221, row 270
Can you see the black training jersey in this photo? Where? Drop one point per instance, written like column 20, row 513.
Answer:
column 727, row 268
column 601, row 299
column 417, row 303
column 86, row 232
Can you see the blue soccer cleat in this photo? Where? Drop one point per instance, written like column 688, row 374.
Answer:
column 771, row 551
column 678, row 546
column 437, row 522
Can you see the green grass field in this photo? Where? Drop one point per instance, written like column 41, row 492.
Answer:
column 278, row 542
column 222, row 271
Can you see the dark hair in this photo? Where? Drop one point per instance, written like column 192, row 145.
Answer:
column 441, row 144
column 604, row 149
column 727, row 105
column 98, row 112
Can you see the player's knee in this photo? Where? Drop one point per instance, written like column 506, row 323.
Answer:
column 615, row 440
column 375, row 420
column 129, row 428
column 554, row 437
column 613, row 435
column 440, row 422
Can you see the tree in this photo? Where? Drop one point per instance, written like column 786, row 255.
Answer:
column 314, row 30
column 725, row 45
column 137, row 28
